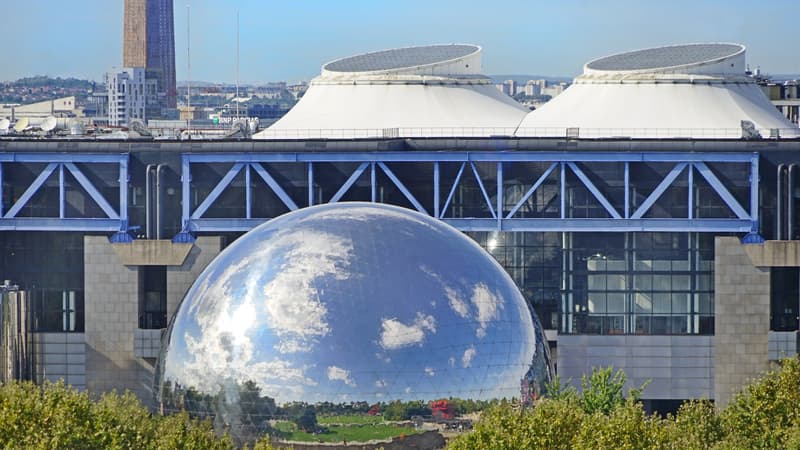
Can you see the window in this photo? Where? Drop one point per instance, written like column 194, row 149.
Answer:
column 637, row 283
column 56, row 311
column 153, row 298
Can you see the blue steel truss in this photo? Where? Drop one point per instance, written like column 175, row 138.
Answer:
column 61, row 163
column 626, row 220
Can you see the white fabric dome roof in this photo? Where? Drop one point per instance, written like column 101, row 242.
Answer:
column 410, row 92
column 686, row 91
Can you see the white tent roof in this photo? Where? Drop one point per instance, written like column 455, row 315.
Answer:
column 418, row 91
column 687, row 91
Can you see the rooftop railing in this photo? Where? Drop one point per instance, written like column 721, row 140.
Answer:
column 545, row 132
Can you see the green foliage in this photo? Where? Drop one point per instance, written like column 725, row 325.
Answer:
column 54, row 416
column 624, row 427
column 398, row 410
column 602, row 390
column 695, row 426
column 556, row 390
column 765, row 416
column 767, row 413
column 551, row 425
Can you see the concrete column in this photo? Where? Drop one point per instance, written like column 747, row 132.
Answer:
column 112, row 306
column 741, row 308
column 180, row 278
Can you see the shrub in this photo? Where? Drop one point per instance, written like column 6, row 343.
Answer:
column 766, row 415
column 55, row 416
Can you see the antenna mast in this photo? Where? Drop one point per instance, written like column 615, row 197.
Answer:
column 188, row 70
column 237, row 64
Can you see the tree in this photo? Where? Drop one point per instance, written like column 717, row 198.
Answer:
column 602, row 391
column 767, row 413
column 306, row 420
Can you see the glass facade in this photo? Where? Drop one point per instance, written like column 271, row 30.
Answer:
column 612, row 283
column 49, row 267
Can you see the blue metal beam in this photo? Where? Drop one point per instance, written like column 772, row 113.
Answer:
column 248, row 193
column 92, row 191
column 483, row 189
column 465, row 156
column 218, row 189
column 563, row 190
column 26, row 196
column 499, row 208
column 402, row 188
column 310, row 184
column 606, row 225
column 690, row 200
column 276, row 188
column 186, row 183
column 618, row 221
column 349, row 183
column 436, row 183
column 453, row 189
column 373, row 183
column 659, row 190
column 124, row 179
column 58, row 224
column 754, row 180
column 532, row 190
column 61, row 192
column 593, row 189
column 627, row 189
column 722, row 191
column 63, row 157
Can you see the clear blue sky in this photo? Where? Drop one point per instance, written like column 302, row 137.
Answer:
column 290, row 40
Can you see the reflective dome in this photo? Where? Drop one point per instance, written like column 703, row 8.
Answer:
column 348, row 304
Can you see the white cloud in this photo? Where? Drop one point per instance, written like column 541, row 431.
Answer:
column 487, row 304
column 408, row 390
column 452, row 361
column 457, row 304
column 291, row 302
column 381, row 383
column 395, row 334
column 383, row 357
column 339, row 374
column 466, row 359
column 429, row 371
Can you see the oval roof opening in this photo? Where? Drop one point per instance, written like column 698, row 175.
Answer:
column 401, row 58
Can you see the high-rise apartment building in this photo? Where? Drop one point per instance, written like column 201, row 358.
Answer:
column 127, row 93
column 149, row 42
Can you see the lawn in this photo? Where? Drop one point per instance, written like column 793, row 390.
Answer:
column 359, row 419
column 348, row 433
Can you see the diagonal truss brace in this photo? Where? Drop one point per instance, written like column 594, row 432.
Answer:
column 722, row 191
column 532, row 190
column 659, row 190
column 593, row 189
column 401, row 187
column 32, row 189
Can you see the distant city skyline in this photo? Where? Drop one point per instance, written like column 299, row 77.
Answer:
column 291, row 40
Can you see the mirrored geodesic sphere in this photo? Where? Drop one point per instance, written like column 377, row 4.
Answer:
column 349, row 307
